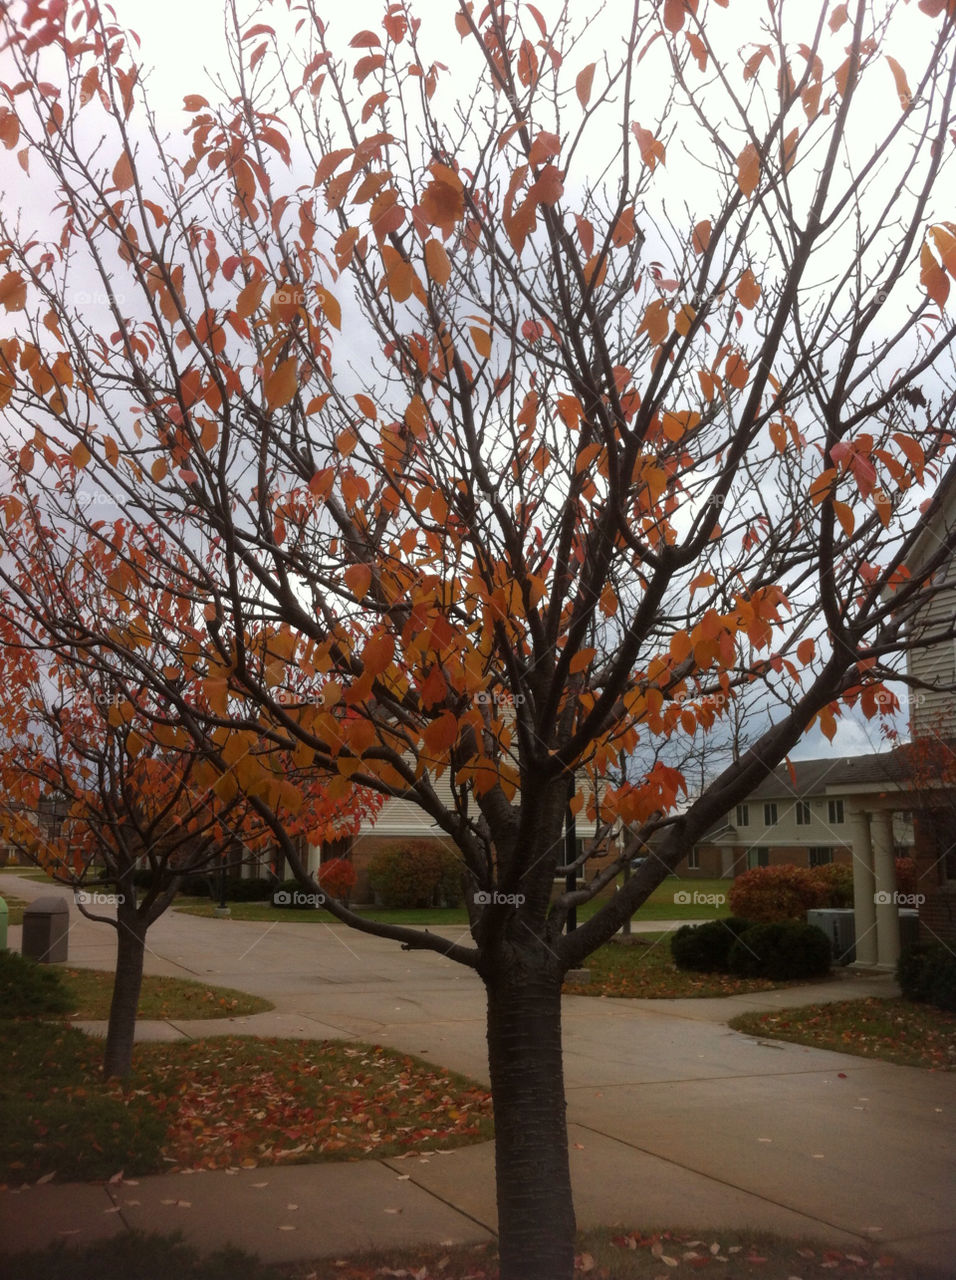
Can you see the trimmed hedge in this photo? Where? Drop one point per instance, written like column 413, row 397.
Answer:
column 704, row 948
column 926, row 973
column 781, row 951
column 836, row 879
column 418, row 874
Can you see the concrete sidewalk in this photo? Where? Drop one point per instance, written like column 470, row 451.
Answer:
column 673, row 1118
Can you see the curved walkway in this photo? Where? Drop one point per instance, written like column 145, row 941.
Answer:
column 673, row 1118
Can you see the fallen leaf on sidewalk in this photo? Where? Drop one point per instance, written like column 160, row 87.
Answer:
column 47, row 1177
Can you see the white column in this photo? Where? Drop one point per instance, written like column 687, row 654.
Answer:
column 864, row 888
column 887, row 909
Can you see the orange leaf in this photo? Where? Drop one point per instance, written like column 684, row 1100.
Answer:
column 844, row 513
column 702, row 580
column 902, row 86
column 367, row 407
column 250, row 296
column 80, row 455
column 581, row 660
column 805, row 651
column 482, row 340
column 623, row 232
column 13, row 291
column 330, row 306
column 436, row 261
column 123, row 172
column 651, row 149
column 747, row 292
column 748, row 169
column 932, row 276
column 281, row 385
column 358, row 579
column 701, row 237
column 945, row 242
column 583, row 84
column 441, row 734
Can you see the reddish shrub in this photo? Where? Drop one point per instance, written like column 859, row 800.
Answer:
column 768, row 894
column 337, row 878
column 837, row 881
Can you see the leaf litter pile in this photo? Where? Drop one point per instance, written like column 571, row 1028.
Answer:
column 240, row 1102
column 913, row 1035
column 634, row 1255
column 225, row 1102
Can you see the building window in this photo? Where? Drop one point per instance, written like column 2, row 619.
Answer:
column 835, row 811
column 743, row 815
column 770, row 814
column 693, row 859
column 758, row 856
column 803, row 813
column 821, row 856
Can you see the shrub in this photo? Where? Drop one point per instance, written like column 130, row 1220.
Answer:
column 781, row 951
column 836, row 879
column 926, row 973
column 253, row 890
column 906, row 875
column 704, row 948
column 420, row 874
column 770, row 894
column 28, row 988
column 337, row 878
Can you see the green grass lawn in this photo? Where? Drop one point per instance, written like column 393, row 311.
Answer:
column 15, row 908
column 226, row 1102
column 91, row 991
column 643, row 969
column 665, row 903
column 604, row 1254
column 912, row 1035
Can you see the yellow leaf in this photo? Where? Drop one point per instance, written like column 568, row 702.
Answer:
column 282, row 384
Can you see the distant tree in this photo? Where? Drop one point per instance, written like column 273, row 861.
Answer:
column 531, row 410
column 107, row 792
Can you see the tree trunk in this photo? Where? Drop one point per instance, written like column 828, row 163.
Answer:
column 130, row 949
column 536, row 1225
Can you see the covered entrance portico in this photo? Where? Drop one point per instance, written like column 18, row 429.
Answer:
column 876, row 904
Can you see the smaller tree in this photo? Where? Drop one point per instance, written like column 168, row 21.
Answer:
column 101, row 788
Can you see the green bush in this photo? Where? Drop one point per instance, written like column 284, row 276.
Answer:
column 926, row 973
column 418, row 874
column 253, row 890
column 704, row 948
column 28, row 988
column 836, row 879
column 145, row 1257
column 770, row 894
column 781, row 951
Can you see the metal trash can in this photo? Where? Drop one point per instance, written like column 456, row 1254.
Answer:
column 46, row 925
column 4, row 921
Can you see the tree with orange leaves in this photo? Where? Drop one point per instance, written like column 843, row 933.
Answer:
column 104, row 789
column 525, row 413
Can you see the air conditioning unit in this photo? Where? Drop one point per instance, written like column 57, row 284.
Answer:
column 838, row 924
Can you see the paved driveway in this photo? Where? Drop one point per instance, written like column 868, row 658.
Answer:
column 674, row 1119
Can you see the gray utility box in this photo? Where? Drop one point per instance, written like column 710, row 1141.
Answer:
column 46, row 926
column 838, row 924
